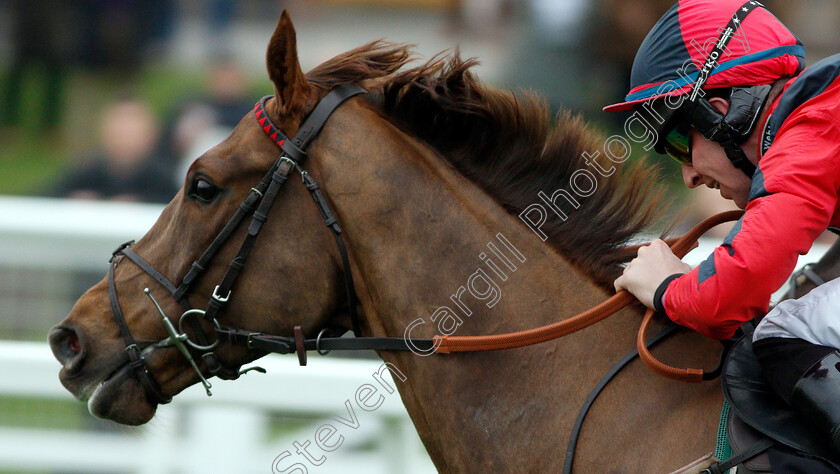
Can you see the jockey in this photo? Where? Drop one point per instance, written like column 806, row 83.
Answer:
column 723, row 85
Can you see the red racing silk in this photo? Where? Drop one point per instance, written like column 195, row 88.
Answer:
column 793, row 199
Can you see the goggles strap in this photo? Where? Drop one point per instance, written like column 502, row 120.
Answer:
column 714, row 56
column 714, row 126
column 733, row 151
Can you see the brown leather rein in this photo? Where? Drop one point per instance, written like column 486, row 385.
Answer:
column 680, row 247
column 451, row 344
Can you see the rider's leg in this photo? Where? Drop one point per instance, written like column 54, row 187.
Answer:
column 784, row 360
column 796, row 345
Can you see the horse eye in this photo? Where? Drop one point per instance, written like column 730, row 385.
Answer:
column 204, row 190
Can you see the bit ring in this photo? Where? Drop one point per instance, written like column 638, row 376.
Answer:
column 198, row 347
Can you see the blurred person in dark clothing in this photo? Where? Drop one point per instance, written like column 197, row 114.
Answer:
column 125, row 167
column 46, row 37
column 227, row 92
column 200, row 122
column 50, row 38
column 120, row 32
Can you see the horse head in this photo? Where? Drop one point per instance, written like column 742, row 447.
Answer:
column 97, row 368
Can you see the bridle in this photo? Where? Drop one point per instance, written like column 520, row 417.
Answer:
column 257, row 204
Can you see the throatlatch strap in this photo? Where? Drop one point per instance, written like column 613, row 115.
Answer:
column 292, row 152
column 332, row 223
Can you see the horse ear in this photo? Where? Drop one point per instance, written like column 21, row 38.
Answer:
column 290, row 86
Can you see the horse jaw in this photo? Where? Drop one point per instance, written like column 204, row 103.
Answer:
column 121, row 399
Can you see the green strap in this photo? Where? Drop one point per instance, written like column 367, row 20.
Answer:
column 723, row 450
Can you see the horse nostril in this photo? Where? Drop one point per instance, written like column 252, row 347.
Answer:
column 66, row 346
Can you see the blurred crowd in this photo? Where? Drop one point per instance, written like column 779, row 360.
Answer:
column 52, row 36
column 137, row 153
column 139, row 158
column 577, row 53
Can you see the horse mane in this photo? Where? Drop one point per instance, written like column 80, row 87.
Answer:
column 507, row 144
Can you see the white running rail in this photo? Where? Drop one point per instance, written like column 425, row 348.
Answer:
column 227, row 433
column 45, row 245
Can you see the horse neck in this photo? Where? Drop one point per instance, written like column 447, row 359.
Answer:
column 418, row 230
column 428, row 245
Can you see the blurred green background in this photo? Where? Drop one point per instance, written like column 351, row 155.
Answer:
column 575, row 52
column 33, row 155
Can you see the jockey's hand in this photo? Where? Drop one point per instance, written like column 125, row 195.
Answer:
column 653, row 264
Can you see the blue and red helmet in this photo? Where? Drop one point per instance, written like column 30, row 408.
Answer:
column 699, row 45
column 671, row 56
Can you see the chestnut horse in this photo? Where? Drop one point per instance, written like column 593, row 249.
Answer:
column 426, row 174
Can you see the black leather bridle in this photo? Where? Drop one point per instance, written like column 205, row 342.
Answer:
column 258, row 204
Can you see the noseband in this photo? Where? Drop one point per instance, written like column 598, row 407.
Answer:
column 258, row 202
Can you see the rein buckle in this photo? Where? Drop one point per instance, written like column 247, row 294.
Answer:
column 221, row 299
column 119, row 250
column 249, row 340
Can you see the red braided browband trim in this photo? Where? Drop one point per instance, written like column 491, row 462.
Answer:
column 262, row 117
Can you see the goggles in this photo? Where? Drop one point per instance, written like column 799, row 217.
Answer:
column 729, row 130
column 677, row 143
